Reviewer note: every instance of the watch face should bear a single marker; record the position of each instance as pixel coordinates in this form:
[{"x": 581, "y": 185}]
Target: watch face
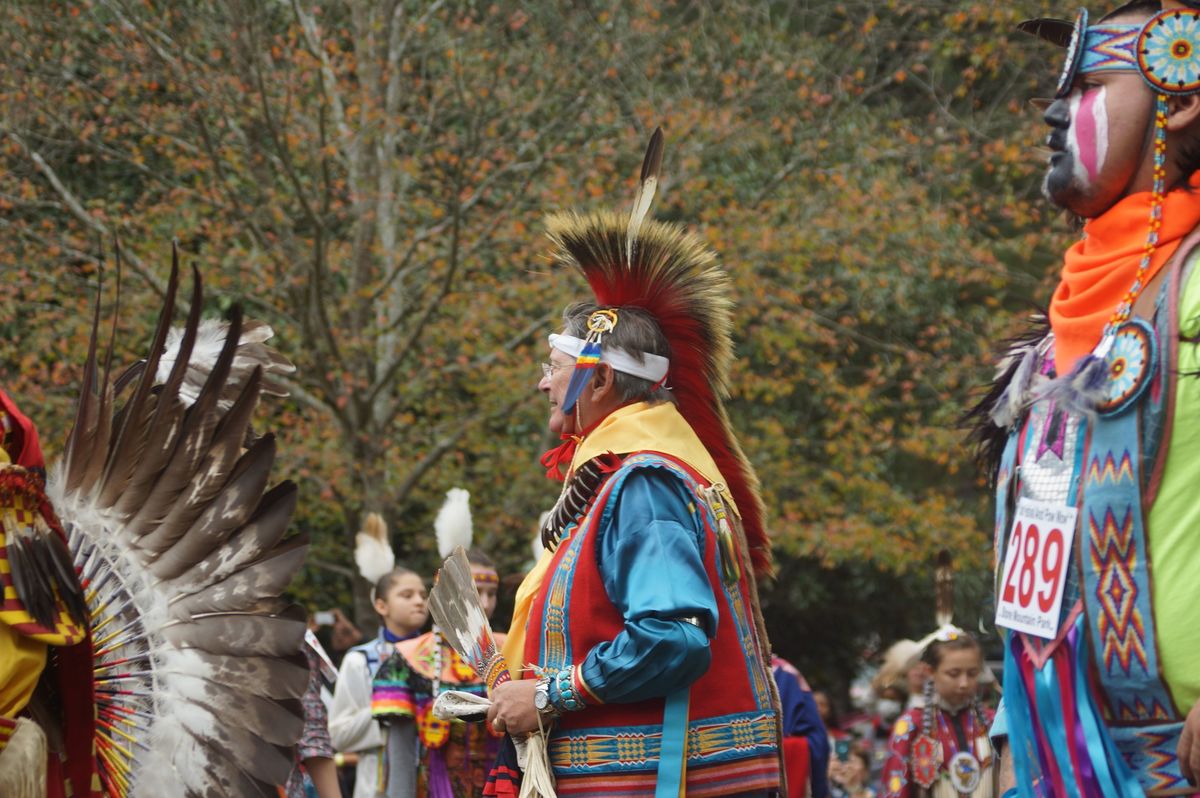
[{"x": 541, "y": 699}]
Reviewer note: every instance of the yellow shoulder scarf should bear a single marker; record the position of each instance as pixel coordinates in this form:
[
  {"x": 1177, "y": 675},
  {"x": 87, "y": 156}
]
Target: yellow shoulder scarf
[{"x": 633, "y": 428}]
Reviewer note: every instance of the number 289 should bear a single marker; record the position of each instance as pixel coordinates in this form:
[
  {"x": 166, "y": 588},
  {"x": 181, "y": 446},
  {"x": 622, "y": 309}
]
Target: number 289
[{"x": 1034, "y": 553}]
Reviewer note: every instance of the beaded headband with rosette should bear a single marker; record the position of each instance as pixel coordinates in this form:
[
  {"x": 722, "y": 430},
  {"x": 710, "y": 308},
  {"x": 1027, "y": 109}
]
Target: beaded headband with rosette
[{"x": 1165, "y": 50}]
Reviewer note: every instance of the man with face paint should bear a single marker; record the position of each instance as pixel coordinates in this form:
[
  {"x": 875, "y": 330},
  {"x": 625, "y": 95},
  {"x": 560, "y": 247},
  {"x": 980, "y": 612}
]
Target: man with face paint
[{"x": 1092, "y": 426}]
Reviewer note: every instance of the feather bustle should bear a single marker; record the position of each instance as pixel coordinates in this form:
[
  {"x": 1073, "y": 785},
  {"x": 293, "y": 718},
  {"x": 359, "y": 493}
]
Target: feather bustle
[
  {"x": 130, "y": 439},
  {"x": 226, "y": 511},
  {"x": 199, "y": 627},
  {"x": 81, "y": 440},
  {"x": 268, "y": 576},
  {"x": 264, "y": 529},
  {"x": 168, "y": 416},
  {"x": 221, "y": 456},
  {"x": 200, "y": 423},
  {"x": 244, "y": 633}
]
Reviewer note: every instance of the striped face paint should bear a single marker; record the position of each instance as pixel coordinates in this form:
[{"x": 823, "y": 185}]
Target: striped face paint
[{"x": 1087, "y": 138}]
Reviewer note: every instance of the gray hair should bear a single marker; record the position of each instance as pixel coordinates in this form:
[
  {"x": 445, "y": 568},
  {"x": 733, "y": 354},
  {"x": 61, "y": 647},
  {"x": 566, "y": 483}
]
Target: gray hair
[{"x": 637, "y": 333}]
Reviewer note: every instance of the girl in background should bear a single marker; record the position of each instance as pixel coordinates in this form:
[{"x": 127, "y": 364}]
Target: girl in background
[
  {"x": 941, "y": 749},
  {"x": 455, "y": 756},
  {"x": 386, "y": 743}
]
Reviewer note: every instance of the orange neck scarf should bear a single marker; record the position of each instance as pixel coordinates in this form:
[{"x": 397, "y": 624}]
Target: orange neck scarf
[{"x": 1099, "y": 268}]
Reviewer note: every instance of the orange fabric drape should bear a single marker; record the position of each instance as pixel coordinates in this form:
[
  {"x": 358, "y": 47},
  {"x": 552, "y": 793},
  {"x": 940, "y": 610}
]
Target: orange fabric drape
[{"x": 1099, "y": 269}]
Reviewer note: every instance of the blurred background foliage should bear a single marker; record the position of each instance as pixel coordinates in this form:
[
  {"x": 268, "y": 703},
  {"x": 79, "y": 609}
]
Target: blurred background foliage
[{"x": 369, "y": 178}]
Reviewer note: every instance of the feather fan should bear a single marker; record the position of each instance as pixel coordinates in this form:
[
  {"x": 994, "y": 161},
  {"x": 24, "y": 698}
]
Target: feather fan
[
  {"x": 372, "y": 552},
  {"x": 453, "y": 522},
  {"x": 454, "y": 605},
  {"x": 183, "y": 554}
]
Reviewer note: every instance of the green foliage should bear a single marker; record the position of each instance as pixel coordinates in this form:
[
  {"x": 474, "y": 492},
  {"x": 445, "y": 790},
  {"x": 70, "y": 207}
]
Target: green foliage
[{"x": 369, "y": 178}]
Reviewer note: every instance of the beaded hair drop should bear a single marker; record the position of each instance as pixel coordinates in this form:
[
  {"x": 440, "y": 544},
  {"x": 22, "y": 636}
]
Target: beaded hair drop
[
  {"x": 923, "y": 755},
  {"x": 1083, "y": 389}
]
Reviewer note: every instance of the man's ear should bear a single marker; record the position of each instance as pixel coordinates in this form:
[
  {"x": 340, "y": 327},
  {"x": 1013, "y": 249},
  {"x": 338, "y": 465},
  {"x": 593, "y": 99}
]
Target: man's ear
[
  {"x": 1182, "y": 112},
  {"x": 603, "y": 384}
]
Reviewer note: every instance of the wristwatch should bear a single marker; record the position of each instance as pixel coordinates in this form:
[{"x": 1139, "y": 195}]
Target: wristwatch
[{"x": 541, "y": 697}]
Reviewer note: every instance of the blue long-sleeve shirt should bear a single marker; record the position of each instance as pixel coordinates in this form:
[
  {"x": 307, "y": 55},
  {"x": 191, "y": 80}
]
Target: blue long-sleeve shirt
[
  {"x": 802, "y": 719},
  {"x": 650, "y": 548}
]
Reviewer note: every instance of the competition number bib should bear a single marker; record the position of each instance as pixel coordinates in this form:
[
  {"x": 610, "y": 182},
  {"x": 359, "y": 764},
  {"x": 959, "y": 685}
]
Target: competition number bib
[{"x": 1035, "y": 568}]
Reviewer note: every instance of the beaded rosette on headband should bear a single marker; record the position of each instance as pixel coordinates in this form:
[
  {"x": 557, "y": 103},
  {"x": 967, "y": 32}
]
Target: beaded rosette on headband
[
  {"x": 599, "y": 324},
  {"x": 1165, "y": 52}
]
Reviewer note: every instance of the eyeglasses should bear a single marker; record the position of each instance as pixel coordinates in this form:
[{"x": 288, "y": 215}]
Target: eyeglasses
[{"x": 548, "y": 369}]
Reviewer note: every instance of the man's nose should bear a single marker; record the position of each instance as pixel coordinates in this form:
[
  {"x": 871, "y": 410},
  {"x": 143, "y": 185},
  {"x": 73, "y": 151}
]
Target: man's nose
[{"x": 1058, "y": 115}]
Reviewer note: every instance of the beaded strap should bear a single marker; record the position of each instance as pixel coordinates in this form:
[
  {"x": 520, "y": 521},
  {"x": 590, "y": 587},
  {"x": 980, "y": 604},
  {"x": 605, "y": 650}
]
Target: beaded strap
[{"x": 1125, "y": 309}]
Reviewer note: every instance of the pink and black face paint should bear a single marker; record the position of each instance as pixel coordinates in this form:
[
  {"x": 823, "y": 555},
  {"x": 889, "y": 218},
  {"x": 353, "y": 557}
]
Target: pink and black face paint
[{"x": 1087, "y": 137}]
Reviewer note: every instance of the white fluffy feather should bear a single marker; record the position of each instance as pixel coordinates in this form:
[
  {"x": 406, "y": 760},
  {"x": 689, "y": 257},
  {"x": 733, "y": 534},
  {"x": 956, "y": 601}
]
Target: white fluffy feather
[
  {"x": 210, "y": 338},
  {"x": 453, "y": 522},
  {"x": 372, "y": 552}
]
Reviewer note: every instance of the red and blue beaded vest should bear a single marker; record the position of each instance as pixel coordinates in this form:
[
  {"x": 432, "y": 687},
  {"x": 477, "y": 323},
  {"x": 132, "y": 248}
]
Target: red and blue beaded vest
[{"x": 732, "y": 732}]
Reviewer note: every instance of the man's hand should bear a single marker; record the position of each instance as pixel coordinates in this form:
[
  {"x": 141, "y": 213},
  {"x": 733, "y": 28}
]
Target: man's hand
[
  {"x": 512, "y": 709},
  {"x": 1188, "y": 750}
]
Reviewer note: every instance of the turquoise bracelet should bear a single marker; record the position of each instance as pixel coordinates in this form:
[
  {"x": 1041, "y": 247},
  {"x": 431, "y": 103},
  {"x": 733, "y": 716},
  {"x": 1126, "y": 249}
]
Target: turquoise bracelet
[{"x": 563, "y": 694}]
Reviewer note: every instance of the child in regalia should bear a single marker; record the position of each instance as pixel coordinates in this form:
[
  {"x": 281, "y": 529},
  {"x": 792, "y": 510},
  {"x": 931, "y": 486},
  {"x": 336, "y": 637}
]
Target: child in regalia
[
  {"x": 378, "y": 723},
  {"x": 454, "y": 756},
  {"x": 941, "y": 749}
]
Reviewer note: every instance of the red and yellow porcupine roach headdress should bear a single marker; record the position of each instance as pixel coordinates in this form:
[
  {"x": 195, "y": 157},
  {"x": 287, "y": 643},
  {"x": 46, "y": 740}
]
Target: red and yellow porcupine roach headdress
[{"x": 673, "y": 275}]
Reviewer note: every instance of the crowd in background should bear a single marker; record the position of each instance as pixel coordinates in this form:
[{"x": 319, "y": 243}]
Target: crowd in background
[{"x": 835, "y": 746}]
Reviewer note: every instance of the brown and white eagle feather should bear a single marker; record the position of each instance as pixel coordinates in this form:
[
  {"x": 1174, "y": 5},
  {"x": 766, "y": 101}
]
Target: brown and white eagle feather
[{"x": 183, "y": 552}]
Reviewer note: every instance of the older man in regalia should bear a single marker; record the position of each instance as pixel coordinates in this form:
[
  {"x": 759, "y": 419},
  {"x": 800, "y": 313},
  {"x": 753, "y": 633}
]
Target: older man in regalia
[{"x": 651, "y": 662}]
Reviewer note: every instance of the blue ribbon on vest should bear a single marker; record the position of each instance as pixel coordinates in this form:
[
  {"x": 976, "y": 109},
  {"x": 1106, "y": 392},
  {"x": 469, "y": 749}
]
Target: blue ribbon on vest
[{"x": 672, "y": 757}]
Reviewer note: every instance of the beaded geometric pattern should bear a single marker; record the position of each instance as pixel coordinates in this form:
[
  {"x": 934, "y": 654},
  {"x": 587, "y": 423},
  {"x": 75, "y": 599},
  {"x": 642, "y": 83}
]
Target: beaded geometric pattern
[
  {"x": 1114, "y": 556},
  {"x": 1117, "y": 574},
  {"x": 556, "y": 646},
  {"x": 925, "y": 761},
  {"x": 1150, "y": 753},
  {"x": 1168, "y": 51},
  {"x": 1110, "y": 48},
  {"x": 631, "y": 748}
]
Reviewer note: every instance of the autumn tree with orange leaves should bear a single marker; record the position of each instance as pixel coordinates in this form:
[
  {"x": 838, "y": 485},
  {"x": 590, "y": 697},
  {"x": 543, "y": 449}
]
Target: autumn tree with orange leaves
[{"x": 369, "y": 178}]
